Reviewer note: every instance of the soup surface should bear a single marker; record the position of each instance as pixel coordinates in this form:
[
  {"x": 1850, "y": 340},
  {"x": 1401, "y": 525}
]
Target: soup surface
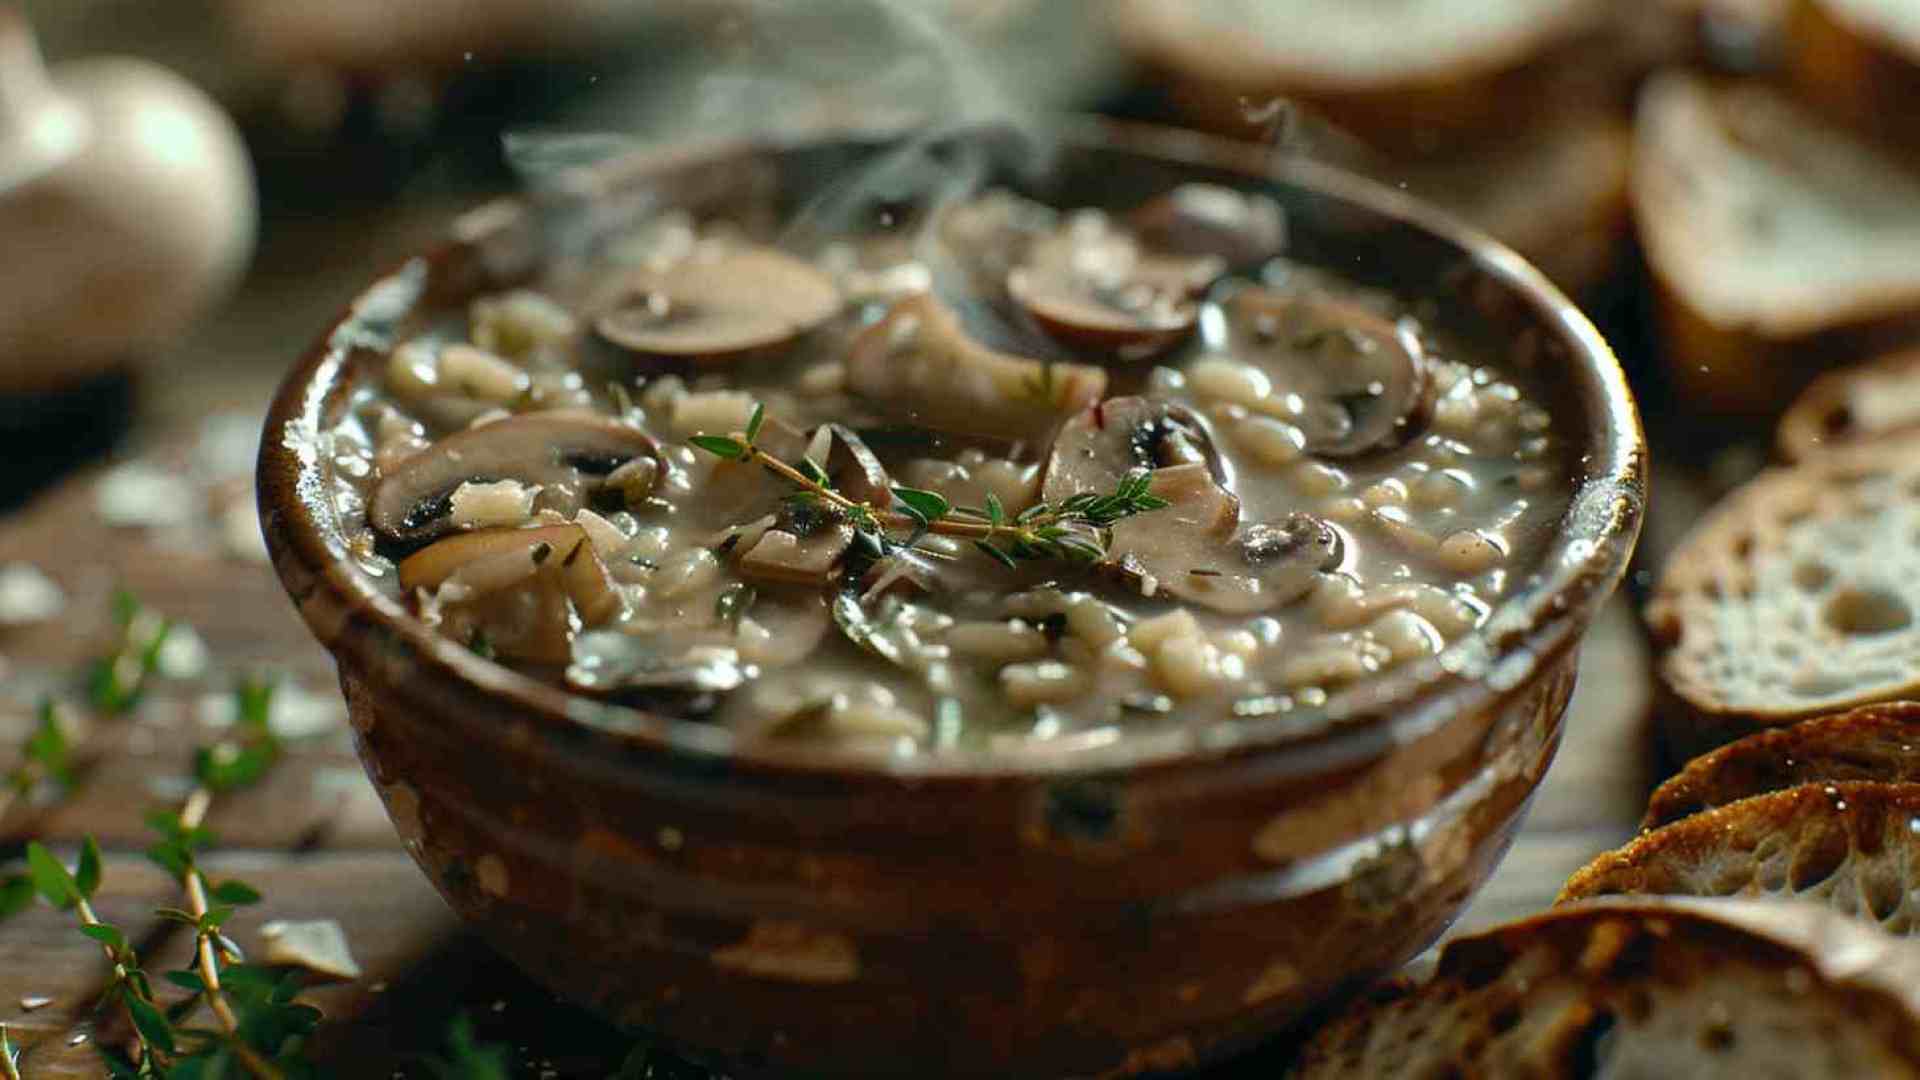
[{"x": 1004, "y": 477}]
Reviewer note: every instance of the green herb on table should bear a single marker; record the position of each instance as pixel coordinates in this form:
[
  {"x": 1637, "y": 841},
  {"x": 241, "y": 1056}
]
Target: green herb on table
[
  {"x": 116, "y": 681},
  {"x": 466, "y": 1057},
  {"x": 1075, "y": 529},
  {"x": 154, "y": 1044},
  {"x": 46, "y": 757},
  {"x": 9, "y": 1057},
  {"x": 226, "y": 766}
]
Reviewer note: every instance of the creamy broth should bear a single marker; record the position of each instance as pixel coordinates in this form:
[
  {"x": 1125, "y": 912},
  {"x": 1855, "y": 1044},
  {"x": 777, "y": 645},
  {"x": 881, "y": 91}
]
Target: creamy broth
[{"x": 1215, "y": 483}]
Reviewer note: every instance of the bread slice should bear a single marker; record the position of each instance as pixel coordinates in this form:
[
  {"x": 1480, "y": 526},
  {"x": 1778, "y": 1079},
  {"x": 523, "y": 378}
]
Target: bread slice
[
  {"x": 1876, "y": 400},
  {"x": 1873, "y": 742},
  {"x": 1643, "y": 990},
  {"x": 1859, "y": 62},
  {"x": 1776, "y": 242},
  {"x": 1851, "y": 845},
  {"x": 1409, "y": 76},
  {"x": 1796, "y": 596}
]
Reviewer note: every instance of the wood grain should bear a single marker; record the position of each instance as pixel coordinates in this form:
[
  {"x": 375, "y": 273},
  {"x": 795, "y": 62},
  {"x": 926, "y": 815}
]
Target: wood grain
[{"x": 314, "y": 839}]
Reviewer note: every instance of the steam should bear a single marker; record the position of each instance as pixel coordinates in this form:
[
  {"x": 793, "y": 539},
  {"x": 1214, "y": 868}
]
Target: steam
[
  {"x": 769, "y": 67},
  {"x": 776, "y": 67}
]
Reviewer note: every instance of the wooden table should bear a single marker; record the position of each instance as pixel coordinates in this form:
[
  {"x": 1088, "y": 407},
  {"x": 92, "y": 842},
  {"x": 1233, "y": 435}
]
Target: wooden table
[{"x": 314, "y": 838}]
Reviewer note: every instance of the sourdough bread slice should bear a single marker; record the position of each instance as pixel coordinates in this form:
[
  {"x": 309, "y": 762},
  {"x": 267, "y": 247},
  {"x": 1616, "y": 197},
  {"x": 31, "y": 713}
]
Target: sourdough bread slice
[
  {"x": 1876, "y": 400},
  {"x": 1775, "y": 241},
  {"x": 1796, "y": 596},
  {"x": 1858, "y": 61},
  {"x": 1407, "y": 76},
  {"x": 1850, "y": 845},
  {"x": 1633, "y": 989},
  {"x": 1873, "y": 742}
]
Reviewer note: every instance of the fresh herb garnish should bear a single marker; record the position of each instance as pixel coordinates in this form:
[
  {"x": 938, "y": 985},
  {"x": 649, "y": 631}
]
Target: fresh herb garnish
[
  {"x": 733, "y": 603},
  {"x": 1074, "y": 529}
]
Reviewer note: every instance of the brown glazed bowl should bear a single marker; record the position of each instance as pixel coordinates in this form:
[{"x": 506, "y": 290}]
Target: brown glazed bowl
[{"x": 1151, "y": 904}]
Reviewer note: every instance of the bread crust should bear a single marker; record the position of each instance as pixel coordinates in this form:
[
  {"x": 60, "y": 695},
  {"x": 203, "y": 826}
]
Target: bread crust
[
  {"x": 1757, "y": 619},
  {"x": 1873, "y": 742},
  {"x": 1535, "y": 994},
  {"x": 1879, "y": 399},
  {"x": 1848, "y": 844}
]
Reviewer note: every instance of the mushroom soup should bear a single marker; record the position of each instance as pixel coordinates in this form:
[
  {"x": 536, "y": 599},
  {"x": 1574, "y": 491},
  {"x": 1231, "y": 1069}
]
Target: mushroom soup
[{"x": 1148, "y": 473}]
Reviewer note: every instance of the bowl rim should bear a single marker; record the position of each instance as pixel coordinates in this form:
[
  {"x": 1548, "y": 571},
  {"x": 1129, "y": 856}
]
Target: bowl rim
[{"x": 1524, "y": 635}]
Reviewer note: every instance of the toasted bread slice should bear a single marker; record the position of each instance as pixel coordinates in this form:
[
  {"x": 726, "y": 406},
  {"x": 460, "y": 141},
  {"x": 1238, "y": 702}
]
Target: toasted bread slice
[
  {"x": 1643, "y": 989},
  {"x": 1876, "y": 400},
  {"x": 1796, "y": 596},
  {"x": 1775, "y": 241},
  {"x": 1873, "y": 742},
  {"x": 1850, "y": 845},
  {"x": 1409, "y": 76},
  {"x": 1858, "y": 61}
]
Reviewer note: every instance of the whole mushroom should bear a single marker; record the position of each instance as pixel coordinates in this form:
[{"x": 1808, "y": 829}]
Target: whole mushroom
[{"x": 126, "y": 209}]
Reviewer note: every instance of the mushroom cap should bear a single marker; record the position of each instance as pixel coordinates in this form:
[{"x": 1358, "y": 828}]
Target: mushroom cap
[
  {"x": 1092, "y": 288},
  {"x": 1102, "y": 444},
  {"x": 563, "y": 451},
  {"x": 718, "y": 307},
  {"x": 1208, "y": 219},
  {"x": 1355, "y": 380},
  {"x": 1196, "y": 549},
  {"x": 854, "y": 470},
  {"x": 918, "y": 364},
  {"x": 522, "y": 587}
]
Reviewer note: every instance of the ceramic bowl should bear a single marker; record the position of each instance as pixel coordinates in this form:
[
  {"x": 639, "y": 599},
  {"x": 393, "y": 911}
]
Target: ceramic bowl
[{"x": 1151, "y": 904}]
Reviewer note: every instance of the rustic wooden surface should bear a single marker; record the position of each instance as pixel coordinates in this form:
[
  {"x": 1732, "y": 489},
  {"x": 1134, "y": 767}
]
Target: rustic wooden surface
[{"x": 314, "y": 839}]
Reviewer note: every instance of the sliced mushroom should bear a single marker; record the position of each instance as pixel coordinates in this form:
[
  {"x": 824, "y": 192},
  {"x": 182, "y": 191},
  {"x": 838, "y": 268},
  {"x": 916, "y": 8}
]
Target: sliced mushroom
[
  {"x": 568, "y": 454},
  {"x": 1109, "y": 440},
  {"x": 780, "y": 557},
  {"x": 1196, "y": 550},
  {"x": 1352, "y": 379},
  {"x": 1207, "y": 219},
  {"x": 521, "y": 591},
  {"x": 1091, "y": 287},
  {"x": 722, "y": 307},
  {"x": 854, "y": 471},
  {"x": 808, "y": 542},
  {"x": 918, "y": 364}
]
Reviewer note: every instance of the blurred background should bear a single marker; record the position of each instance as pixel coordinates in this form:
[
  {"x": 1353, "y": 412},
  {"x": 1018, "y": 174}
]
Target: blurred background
[
  {"x": 190, "y": 189},
  {"x": 365, "y": 126}
]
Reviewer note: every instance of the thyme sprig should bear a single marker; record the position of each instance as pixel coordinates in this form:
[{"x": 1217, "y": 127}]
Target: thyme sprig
[
  {"x": 45, "y": 757},
  {"x": 9, "y": 1057},
  {"x": 261, "y": 1028},
  {"x": 1075, "y": 529},
  {"x": 155, "y": 1045},
  {"x": 116, "y": 681}
]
